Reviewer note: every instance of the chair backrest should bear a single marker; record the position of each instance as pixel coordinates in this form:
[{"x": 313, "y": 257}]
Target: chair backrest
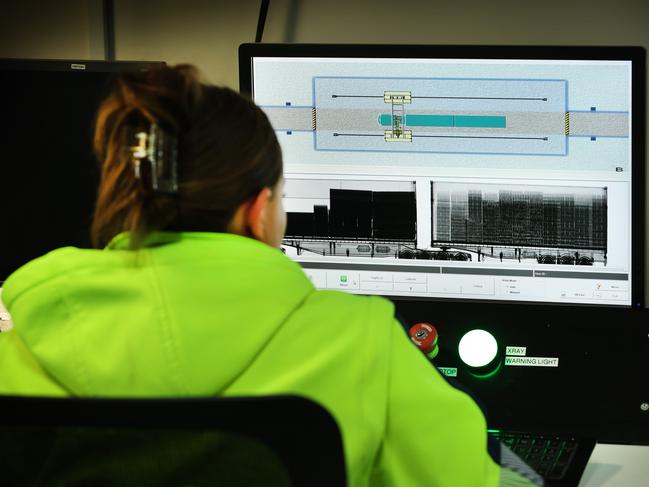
[{"x": 272, "y": 440}]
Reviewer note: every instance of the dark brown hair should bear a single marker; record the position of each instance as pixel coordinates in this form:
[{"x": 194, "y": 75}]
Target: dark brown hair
[{"x": 227, "y": 153}]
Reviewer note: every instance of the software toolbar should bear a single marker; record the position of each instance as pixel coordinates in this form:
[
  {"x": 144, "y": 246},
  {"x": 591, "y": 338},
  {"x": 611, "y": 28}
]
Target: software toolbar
[{"x": 509, "y": 284}]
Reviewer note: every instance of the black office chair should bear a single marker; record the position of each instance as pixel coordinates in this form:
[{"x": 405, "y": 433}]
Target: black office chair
[{"x": 260, "y": 441}]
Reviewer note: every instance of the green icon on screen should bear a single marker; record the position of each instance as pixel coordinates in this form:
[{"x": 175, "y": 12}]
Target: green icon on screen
[{"x": 343, "y": 278}]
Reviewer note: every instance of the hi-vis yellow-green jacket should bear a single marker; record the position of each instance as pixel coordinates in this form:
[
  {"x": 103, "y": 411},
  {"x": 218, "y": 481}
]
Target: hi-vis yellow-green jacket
[{"x": 202, "y": 314}]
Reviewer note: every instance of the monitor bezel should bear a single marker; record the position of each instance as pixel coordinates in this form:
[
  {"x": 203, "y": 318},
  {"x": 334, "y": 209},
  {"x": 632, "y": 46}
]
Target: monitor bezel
[
  {"x": 635, "y": 54},
  {"x": 79, "y": 66}
]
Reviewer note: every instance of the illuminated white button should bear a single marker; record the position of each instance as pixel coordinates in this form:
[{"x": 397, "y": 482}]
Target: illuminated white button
[{"x": 477, "y": 348}]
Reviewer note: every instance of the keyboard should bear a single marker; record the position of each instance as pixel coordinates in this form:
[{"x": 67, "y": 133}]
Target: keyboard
[{"x": 553, "y": 457}]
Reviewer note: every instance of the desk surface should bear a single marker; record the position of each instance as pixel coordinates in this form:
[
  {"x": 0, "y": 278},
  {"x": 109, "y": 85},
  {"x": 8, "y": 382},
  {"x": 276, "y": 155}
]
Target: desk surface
[{"x": 617, "y": 466}]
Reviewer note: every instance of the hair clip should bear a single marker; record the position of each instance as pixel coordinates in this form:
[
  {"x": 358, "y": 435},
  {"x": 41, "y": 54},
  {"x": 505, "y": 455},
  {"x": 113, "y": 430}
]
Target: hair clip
[
  {"x": 160, "y": 149},
  {"x": 139, "y": 152}
]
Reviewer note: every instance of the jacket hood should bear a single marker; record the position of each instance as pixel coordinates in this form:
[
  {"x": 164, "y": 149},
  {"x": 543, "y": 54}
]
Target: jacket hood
[{"x": 140, "y": 322}]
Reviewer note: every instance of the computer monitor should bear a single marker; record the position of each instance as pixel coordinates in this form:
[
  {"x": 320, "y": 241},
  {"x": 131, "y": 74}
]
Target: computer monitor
[
  {"x": 484, "y": 188},
  {"x": 48, "y": 174},
  {"x": 508, "y": 174}
]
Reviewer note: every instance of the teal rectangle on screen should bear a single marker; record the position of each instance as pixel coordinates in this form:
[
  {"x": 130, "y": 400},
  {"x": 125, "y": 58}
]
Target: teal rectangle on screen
[
  {"x": 429, "y": 120},
  {"x": 385, "y": 119},
  {"x": 480, "y": 121},
  {"x": 420, "y": 120}
]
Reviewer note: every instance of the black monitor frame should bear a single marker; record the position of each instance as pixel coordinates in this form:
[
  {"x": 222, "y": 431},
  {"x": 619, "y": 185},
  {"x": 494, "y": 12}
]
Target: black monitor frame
[
  {"x": 76, "y": 65},
  {"x": 636, "y": 55},
  {"x": 75, "y": 68}
]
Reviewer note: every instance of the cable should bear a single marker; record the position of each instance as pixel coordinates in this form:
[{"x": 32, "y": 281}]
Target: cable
[
  {"x": 263, "y": 10},
  {"x": 108, "y": 14}
]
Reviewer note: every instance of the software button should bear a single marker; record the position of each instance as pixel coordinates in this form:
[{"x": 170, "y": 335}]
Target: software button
[
  {"x": 376, "y": 286},
  {"x": 481, "y": 286},
  {"x": 318, "y": 278},
  {"x": 612, "y": 295},
  {"x": 342, "y": 280},
  {"x": 410, "y": 278},
  {"x": 407, "y": 287},
  {"x": 613, "y": 286},
  {"x": 443, "y": 285},
  {"x": 376, "y": 276}
]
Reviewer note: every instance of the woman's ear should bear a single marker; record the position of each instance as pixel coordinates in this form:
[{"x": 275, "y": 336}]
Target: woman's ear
[
  {"x": 256, "y": 214},
  {"x": 249, "y": 219}
]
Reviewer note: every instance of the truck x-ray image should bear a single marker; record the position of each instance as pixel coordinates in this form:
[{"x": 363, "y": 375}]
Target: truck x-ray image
[
  {"x": 552, "y": 224},
  {"x": 360, "y": 218}
]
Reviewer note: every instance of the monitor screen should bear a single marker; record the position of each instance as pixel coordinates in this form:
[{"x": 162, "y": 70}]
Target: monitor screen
[
  {"x": 460, "y": 172},
  {"x": 48, "y": 173}
]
